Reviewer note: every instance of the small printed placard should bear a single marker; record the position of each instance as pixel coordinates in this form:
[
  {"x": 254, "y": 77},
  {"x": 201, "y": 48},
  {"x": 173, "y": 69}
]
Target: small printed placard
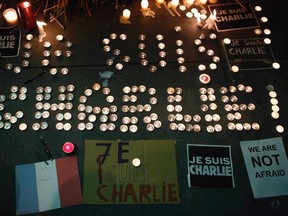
[
  {"x": 267, "y": 166},
  {"x": 10, "y": 39},
  {"x": 234, "y": 16},
  {"x": 209, "y": 166},
  {"x": 249, "y": 53}
]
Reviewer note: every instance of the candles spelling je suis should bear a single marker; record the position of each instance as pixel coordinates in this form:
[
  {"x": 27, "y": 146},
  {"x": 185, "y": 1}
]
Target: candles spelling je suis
[{"x": 27, "y": 15}]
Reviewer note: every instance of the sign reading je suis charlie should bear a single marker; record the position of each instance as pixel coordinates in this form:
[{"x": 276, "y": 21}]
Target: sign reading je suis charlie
[
  {"x": 234, "y": 16},
  {"x": 110, "y": 177},
  {"x": 10, "y": 38}
]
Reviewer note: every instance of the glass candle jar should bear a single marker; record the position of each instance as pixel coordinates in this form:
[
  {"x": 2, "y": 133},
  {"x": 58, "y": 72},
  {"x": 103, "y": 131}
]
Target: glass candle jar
[{"x": 27, "y": 15}]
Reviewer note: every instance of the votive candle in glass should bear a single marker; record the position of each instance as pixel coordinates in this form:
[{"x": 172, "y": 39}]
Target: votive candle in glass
[{"x": 27, "y": 15}]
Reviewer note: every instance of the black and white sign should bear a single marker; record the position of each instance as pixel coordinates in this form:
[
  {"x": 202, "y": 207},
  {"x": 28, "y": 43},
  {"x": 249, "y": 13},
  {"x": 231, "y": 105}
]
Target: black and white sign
[
  {"x": 249, "y": 53},
  {"x": 209, "y": 166},
  {"x": 267, "y": 166},
  {"x": 10, "y": 39},
  {"x": 234, "y": 16}
]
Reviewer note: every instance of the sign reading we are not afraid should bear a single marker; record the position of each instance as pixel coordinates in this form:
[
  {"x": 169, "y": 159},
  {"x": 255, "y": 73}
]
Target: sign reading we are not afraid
[{"x": 267, "y": 166}]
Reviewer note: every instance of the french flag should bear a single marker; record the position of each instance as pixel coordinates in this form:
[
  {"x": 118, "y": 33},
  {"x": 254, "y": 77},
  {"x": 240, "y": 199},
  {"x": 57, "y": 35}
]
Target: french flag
[{"x": 41, "y": 187}]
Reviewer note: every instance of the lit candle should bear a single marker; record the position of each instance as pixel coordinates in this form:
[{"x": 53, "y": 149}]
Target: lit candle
[
  {"x": 144, "y": 4},
  {"x": 146, "y": 11},
  {"x": 174, "y": 3},
  {"x": 199, "y": 24},
  {"x": 68, "y": 147},
  {"x": 10, "y": 16},
  {"x": 126, "y": 14},
  {"x": 159, "y": 2},
  {"x": 42, "y": 33},
  {"x": 124, "y": 19},
  {"x": 40, "y": 27},
  {"x": 27, "y": 16},
  {"x": 210, "y": 22},
  {"x": 188, "y": 3}
]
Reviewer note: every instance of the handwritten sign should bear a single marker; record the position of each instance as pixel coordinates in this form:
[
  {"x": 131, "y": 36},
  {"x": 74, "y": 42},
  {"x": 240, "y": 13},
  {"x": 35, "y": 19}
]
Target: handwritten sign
[
  {"x": 234, "y": 17},
  {"x": 10, "y": 41},
  {"x": 110, "y": 177},
  {"x": 249, "y": 53},
  {"x": 209, "y": 166},
  {"x": 42, "y": 187},
  {"x": 267, "y": 166}
]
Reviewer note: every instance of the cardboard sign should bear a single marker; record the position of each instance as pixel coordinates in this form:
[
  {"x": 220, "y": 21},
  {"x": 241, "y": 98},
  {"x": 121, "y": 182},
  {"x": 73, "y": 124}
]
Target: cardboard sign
[
  {"x": 209, "y": 166},
  {"x": 42, "y": 187},
  {"x": 267, "y": 166},
  {"x": 10, "y": 39},
  {"x": 130, "y": 172},
  {"x": 249, "y": 54},
  {"x": 234, "y": 16}
]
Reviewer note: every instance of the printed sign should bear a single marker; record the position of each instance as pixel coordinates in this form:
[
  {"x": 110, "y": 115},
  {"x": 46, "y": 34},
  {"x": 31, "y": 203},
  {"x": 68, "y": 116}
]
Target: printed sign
[
  {"x": 249, "y": 54},
  {"x": 42, "y": 187},
  {"x": 234, "y": 16},
  {"x": 267, "y": 166},
  {"x": 10, "y": 38},
  {"x": 130, "y": 172},
  {"x": 209, "y": 166}
]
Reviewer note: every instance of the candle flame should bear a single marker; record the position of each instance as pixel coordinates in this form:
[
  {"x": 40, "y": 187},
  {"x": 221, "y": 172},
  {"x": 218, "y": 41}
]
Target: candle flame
[
  {"x": 174, "y": 3},
  {"x": 144, "y": 4},
  {"x": 26, "y": 4},
  {"x": 40, "y": 23}
]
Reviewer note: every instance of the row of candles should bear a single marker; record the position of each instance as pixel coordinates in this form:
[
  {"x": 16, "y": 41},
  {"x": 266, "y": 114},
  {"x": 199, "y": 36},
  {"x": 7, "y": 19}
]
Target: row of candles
[
  {"x": 171, "y": 7},
  {"x": 27, "y": 17}
]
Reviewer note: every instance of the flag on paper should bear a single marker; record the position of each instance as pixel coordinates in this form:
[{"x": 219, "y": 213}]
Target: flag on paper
[
  {"x": 267, "y": 166},
  {"x": 130, "y": 172},
  {"x": 41, "y": 187}
]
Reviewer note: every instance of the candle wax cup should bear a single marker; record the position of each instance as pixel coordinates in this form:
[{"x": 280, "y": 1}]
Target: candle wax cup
[
  {"x": 11, "y": 16},
  {"x": 27, "y": 15},
  {"x": 68, "y": 147}
]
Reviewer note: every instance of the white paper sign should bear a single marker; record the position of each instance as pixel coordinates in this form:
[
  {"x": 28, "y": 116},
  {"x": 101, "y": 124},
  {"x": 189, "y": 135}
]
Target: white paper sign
[{"x": 267, "y": 166}]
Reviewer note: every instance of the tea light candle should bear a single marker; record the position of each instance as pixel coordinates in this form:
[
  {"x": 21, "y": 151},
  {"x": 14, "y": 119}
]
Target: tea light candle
[
  {"x": 68, "y": 147},
  {"x": 146, "y": 11},
  {"x": 159, "y": 2},
  {"x": 27, "y": 16},
  {"x": 10, "y": 16},
  {"x": 125, "y": 16},
  {"x": 174, "y": 3},
  {"x": 188, "y": 3},
  {"x": 126, "y": 13},
  {"x": 144, "y": 4}
]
